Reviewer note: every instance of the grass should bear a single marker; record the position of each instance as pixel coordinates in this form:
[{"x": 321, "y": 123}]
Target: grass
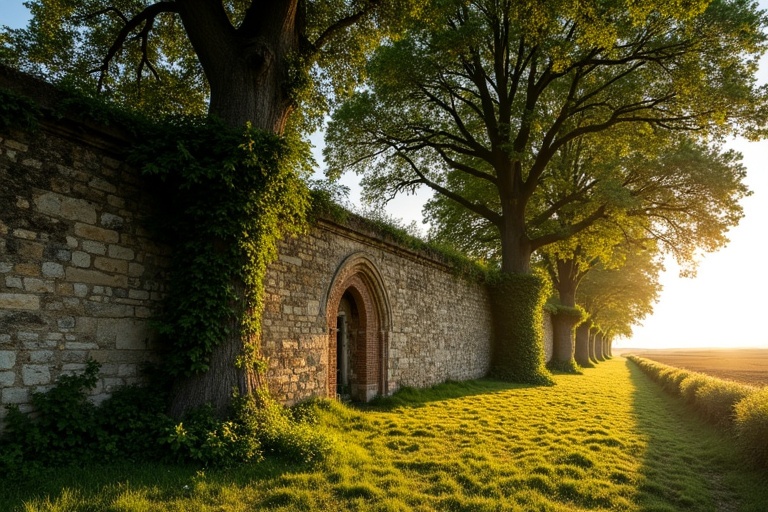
[{"x": 609, "y": 439}]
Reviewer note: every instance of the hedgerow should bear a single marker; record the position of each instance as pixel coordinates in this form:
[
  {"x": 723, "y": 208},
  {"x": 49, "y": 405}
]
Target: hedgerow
[{"x": 739, "y": 409}]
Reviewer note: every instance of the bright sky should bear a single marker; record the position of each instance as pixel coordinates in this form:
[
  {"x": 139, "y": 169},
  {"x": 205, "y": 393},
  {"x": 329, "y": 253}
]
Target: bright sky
[{"x": 723, "y": 306}]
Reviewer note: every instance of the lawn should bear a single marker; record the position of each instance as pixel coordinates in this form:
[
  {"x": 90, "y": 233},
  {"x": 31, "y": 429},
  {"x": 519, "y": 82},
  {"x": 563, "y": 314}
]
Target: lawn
[{"x": 609, "y": 439}]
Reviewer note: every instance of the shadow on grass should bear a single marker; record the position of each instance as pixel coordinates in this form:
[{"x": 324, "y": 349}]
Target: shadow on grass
[
  {"x": 130, "y": 486},
  {"x": 408, "y": 397},
  {"x": 688, "y": 464}
]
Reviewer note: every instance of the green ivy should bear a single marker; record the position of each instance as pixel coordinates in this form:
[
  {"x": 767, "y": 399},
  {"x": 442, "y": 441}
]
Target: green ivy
[
  {"x": 517, "y": 306},
  {"x": 226, "y": 199},
  {"x": 18, "y": 111}
]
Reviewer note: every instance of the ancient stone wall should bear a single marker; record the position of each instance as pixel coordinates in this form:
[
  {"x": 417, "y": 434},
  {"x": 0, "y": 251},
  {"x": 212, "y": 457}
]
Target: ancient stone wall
[
  {"x": 436, "y": 324},
  {"x": 79, "y": 274},
  {"x": 347, "y": 311}
]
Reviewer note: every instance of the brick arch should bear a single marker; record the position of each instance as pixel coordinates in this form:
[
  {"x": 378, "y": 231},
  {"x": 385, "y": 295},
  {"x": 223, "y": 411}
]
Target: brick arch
[{"x": 360, "y": 278}]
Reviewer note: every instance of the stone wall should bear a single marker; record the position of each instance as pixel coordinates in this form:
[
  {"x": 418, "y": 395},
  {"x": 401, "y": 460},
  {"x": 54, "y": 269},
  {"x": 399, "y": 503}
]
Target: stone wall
[
  {"x": 79, "y": 275},
  {"x": 439, "y": 324}
]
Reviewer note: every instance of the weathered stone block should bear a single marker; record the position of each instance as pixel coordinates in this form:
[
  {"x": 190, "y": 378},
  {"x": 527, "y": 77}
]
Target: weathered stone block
[
  {"x": 111, "y": 221},
  {"x": 111, "y": 265},
  {"x": 59, "y": 205},
  {"x": 126, "y": 334},
  {"x": 81, "y": 259},
  {"x": 35, "y": 375},
  {"x": 7, "y": 359},
  {"x": 15, "y": 395},
  {"x": 95, "y": 277},
  {"x": 14, "y": 282},
  {"x": 94, "y": 247},
  {"x": 25, "y": 234},
  {"x": 41, "y": 356},
  {"x": 27, "y": 269},
  {"x": 96, "y": 234},
  {"x": 51, "y": 269},
  {"x": 19, "y": 301},
  {"x": 7, "y": 379},
  {"x": 119, "y": 252},
  {"x": 30, "y": 250},
  {"x": 34, "y": 285},
  {"x": 103, "y": 185}
]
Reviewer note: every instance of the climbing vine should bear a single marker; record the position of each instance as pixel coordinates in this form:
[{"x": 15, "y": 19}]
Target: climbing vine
[{"x": 226, "y": 198}]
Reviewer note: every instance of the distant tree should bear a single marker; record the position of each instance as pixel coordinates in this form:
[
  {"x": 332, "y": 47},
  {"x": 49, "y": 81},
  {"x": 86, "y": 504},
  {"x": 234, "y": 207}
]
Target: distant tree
[
  {"x": 479, "y": 96},
  {"x": 616, "y": 299}
]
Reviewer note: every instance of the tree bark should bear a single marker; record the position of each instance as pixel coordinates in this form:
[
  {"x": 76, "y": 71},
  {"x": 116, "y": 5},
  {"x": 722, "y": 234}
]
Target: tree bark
[
  {"x": 564, "y": 322},
  {"x": 592, "y": 343},
  {"x": 581, "y": 351},
  {"x": 599, "y": 347},
  {"x": 563, "y": 326},
  {"x": 248, "y": 72}
]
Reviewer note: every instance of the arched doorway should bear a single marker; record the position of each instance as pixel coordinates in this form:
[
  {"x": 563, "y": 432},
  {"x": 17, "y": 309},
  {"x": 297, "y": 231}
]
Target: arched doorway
[{"x": 357, "y": 312}]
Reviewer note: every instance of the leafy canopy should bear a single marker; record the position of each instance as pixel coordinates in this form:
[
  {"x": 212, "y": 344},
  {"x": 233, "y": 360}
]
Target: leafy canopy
[{"x": 480, "y": 98}]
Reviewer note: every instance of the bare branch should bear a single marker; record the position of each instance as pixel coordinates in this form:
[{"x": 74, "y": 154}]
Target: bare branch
[{"x": 146, "y": 17}]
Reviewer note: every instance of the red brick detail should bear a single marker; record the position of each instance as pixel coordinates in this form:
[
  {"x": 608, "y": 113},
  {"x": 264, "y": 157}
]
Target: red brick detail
[{"x": 358, "y": 278}]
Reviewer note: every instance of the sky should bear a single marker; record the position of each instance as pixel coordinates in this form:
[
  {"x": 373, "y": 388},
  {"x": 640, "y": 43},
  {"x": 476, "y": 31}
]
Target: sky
[{"x": 723, "y": 306}]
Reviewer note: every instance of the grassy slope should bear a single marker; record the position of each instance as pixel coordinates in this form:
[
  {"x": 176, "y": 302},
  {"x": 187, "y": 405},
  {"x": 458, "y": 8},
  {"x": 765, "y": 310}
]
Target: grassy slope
[{"x": 608, "y": 439}]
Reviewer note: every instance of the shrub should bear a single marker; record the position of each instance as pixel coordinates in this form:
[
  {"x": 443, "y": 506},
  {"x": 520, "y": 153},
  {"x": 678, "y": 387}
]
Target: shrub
[
  {"x": 64, "y": 428},
  {"x": 67, "y": 428},
  {"x": 279, "y": 433},
  {"x": 716, "y": 399},
  {"x": 691, "y": 384},
  {"x": 751, "y": 425}
]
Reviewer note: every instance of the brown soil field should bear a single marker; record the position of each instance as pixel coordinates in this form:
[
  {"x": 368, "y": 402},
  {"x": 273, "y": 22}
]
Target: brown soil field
[{"x": 749, "y": 365}]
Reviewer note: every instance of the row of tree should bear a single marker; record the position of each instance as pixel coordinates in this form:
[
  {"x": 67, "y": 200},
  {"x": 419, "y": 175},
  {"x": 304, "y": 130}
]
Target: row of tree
[{"x": 582, "y": 137}]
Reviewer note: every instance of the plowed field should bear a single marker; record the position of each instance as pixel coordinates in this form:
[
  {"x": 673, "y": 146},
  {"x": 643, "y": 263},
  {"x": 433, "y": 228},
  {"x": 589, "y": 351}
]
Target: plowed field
[{"x": 749, "y": 366}]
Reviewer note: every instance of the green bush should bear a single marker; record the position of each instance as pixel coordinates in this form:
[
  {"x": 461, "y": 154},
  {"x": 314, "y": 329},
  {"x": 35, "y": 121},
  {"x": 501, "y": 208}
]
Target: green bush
[
  {"x": 690, "y": 385},
  {"x": 751, "y": 425},
  {"x": 716, "y": 399},
  {"x": 740, "y": 408},
  {"x": 279, "y": 432},
  {"x": 67, "y": 428},
  {"x": 64, "y": 428}
]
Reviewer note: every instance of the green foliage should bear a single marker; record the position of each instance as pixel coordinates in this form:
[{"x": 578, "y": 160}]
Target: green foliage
[
  {"x": 716, "y": 400},
  {"x": 751, "y": 425},
  {"x": 17, "y": 111},
  {"x": 65, "y": 425},
  {"x": 736, "y": 408},
  {"x": 227, "y": 199},
  {"x": 517, "y": 305},
  {"x": 279, "y": 432},
  {"x": 66, "y": 428}
]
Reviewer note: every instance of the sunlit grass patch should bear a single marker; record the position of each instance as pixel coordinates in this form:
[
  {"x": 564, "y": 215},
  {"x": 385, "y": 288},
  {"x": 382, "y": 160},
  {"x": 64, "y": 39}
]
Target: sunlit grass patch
[{"x": 604, "y": 440}]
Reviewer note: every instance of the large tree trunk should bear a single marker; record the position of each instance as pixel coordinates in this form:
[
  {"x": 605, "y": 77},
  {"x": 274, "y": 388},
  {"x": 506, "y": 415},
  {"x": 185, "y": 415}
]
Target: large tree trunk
[
  {"x": 599, "y": 346},
  {"x": 581, "y": 352},
  {"x": 248, "y": 72},
  {"x": 592, "y": 342},
  {"x": 564, "y": 322}
]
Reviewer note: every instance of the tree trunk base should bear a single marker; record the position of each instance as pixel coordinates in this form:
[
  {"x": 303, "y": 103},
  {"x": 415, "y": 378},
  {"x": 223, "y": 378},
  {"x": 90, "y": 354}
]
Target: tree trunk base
[{"x": 517, "y": 301}]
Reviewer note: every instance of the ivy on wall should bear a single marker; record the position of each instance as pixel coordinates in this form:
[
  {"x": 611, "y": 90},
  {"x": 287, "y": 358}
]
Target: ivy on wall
[{"x": 226, "y": 199}]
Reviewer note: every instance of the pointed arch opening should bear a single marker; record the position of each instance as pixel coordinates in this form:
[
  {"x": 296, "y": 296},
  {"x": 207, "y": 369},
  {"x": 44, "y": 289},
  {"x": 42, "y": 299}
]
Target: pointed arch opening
[{"x": 358, "y": 318}]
